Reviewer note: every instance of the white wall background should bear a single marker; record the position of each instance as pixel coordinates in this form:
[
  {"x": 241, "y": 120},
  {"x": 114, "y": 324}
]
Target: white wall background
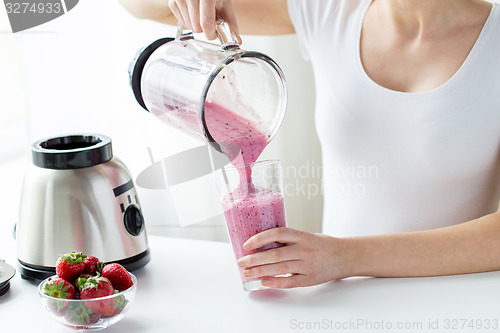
[{"x": 70, "y": 76}]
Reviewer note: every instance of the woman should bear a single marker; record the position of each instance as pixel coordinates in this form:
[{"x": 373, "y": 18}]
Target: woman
[{"x": 407, "y": 87}]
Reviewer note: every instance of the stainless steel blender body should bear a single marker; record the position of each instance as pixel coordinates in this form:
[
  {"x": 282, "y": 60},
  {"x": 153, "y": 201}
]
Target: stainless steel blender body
[{"x": 77, "y": 197}]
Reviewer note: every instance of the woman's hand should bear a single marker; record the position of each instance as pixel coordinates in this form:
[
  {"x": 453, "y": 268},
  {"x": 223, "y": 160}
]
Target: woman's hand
[
  {"x": 201, "y": 15},
  {"x": 310, "y": 258}
]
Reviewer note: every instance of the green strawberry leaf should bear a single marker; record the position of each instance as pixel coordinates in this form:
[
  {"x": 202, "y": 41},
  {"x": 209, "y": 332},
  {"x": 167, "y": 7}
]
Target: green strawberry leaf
[
  {"x": 57, "y": 290},
  {"x": 100, "y": 266},
  {"x": 73, "y": 257},
  {"x": 80, "y": 282},
  {"x": 120, "y": 302},
  {"x": 90, "y": 283},
  {"x": 78, "y": 313}
]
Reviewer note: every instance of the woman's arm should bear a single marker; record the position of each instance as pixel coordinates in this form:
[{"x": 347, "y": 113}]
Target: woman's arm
[
  {"x": 256, "y": 17},
  {"x": 469, "y": 247}
]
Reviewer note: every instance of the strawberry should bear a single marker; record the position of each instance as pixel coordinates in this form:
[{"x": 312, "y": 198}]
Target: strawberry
[
  {"x": 59, "y": 288},
  {"x": 92, "y": 265},
  {"x": 96, "y": 287},
  {"x": 120, "y": 278},
  {"x": 70, "y": 265}
]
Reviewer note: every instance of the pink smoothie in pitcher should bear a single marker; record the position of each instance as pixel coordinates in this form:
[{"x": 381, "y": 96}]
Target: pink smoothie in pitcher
[{"x": 248, "y": 210}]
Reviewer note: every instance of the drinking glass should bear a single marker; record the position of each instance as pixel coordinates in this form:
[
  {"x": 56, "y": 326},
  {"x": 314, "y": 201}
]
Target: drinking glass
[{"x": 252, "y": 200}]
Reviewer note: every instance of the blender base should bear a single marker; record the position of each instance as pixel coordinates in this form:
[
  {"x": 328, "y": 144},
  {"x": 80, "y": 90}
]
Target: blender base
[{"x": 36, "y": 272}]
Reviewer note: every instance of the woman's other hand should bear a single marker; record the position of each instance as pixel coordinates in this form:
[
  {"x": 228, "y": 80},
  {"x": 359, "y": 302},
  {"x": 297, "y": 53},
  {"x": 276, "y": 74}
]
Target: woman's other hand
[{"x": 307, "y": 259}]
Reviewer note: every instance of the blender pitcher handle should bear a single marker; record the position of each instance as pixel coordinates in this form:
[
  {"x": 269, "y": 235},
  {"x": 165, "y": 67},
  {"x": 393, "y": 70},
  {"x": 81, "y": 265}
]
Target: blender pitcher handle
[
  {"x": 183, "y": 34},
  {"x": 226, "y": 36}
]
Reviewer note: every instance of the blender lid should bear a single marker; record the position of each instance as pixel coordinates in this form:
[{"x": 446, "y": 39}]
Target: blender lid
[{"x": 7, "y": 272}]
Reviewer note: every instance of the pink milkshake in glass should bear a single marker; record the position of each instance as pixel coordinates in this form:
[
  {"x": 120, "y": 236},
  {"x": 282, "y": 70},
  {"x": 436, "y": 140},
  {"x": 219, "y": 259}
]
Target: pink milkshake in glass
[{"x": 249, "y": 214}]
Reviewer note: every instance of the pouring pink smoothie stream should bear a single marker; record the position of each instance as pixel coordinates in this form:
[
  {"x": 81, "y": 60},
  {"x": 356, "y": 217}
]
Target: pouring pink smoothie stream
[{"x": 248, "y": 209}]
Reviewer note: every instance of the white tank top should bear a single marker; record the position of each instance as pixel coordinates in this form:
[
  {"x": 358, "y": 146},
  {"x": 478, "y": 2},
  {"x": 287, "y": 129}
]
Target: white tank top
[{"x": 395, "y": 161}]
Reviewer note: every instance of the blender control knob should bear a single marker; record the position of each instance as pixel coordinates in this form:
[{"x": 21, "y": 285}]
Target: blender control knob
[{"x": 133, "y": 220}]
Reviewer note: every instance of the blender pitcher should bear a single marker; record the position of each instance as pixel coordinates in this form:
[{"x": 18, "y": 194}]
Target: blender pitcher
[{"x": 179, "y": 79}]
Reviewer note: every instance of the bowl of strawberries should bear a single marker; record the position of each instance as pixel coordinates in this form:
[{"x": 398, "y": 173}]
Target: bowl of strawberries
[{"x": 86, "y": 293}]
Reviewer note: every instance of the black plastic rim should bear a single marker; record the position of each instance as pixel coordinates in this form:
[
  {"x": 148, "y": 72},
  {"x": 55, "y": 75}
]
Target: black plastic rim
[
  {"x": 4, "y": 287},
  {"x": 138, "y": 67},
  {"x": 72, "y": 151}
]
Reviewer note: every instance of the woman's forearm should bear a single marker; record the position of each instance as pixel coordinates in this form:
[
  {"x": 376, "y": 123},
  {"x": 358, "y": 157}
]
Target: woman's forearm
[
  {"x": 311, "y": 259},
  {"x": 469, "y": 247}
]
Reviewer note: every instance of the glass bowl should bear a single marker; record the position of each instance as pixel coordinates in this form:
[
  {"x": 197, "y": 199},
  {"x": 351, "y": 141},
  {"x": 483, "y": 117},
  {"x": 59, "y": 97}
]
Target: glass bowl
[{"x": 76, "y": 313}]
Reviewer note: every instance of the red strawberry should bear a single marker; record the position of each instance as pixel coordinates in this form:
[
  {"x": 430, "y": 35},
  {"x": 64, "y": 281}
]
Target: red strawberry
[
  {"x": 70, "y": 265},
  {"x": 120, "y": 278},
  {"x": 59, "y": 288},
  {"x": 92, "y": 265},
  {"x": 96, "y": 287}
]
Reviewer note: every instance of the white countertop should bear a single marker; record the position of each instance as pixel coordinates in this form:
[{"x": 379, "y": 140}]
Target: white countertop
[{"x": 194, "y": 286}]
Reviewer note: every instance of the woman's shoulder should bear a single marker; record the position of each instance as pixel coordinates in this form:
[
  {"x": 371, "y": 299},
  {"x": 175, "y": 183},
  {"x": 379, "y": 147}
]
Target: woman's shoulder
[
  {"x": 326, "y": 7},
  {"x": 491, "y": 30},
  {"x": 495, "y": 14},
  {"x": 318, "y": 14}
]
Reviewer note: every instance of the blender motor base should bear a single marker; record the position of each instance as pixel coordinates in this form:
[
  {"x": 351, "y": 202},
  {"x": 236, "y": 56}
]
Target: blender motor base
[{"x": 35, "y": 272}]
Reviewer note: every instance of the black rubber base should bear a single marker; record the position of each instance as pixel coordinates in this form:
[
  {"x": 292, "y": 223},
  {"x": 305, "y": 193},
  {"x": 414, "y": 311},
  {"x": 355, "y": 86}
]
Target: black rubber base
[
  {"x": 4, "y": 287},
  {"x": 35, "y": 272}
]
